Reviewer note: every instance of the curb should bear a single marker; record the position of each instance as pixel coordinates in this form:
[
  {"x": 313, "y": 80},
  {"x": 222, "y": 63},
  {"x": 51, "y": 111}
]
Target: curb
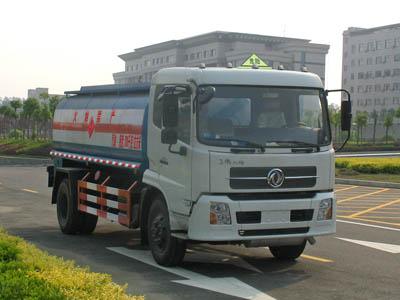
[
  {"x": 23, "y": 161},
  {"x": 392, "y": 185}
]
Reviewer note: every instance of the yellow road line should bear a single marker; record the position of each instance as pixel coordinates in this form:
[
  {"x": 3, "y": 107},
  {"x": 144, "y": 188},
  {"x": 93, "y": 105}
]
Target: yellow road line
[
  {"x": 375, "y": 208},
  {"x": 347, "y": 188},
  {"x": 363, "y": 195},
  {"x": 316, "y": 258},
  {"x": 380, "y": 217},
  {"x": 373, "y": 221},
  {"x": 30, "y": 191}
]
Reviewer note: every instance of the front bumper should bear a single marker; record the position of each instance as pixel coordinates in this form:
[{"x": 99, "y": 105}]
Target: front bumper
[{"x": 275, "y": 225}]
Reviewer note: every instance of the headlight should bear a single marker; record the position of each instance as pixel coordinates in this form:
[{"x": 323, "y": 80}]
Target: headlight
[
  {"x": 325, "y": 210},
  {"x": 219, "y": 213}
]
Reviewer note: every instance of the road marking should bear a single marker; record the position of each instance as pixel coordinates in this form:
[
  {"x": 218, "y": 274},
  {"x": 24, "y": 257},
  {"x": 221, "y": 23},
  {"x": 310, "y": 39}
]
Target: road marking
[
  {"x": 347, "y": 188},
  {"x": 30, "y": 191},
  {"x": 367, "y": 220},
  {"x": 391, "y": 248},
  {"x": 226, "y": 285},
  {"x": 380, "y": 217},
  {"x": 374, "y": 208},
  {"x": 367, "y": 225},
  {"x": 316, "y": 258},
  {"x": 363, "y": 195}
]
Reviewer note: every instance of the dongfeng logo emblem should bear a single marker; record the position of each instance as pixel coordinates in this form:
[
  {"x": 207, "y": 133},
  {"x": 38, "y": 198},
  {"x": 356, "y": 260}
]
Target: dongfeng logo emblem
[{"x": 275, "y": 178}]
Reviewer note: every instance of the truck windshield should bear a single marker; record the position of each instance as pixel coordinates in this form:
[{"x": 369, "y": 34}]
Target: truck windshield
[{"x": 246, "y": 116}]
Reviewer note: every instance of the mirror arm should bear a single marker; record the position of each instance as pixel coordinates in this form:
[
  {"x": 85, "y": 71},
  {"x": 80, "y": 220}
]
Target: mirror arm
[{"x": 192, "y": 81}]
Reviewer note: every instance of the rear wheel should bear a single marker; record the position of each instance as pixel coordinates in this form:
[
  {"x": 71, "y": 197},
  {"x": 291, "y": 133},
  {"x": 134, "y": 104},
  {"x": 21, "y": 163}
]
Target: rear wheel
[
  {"x": 166, "y": 249},
  {"x": 287, "y": 252},
  {"x": 70, "y": 220}
]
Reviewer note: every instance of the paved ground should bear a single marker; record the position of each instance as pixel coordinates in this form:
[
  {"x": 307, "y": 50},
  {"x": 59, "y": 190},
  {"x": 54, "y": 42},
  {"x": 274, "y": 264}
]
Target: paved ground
[{"x": 360, "y": 262}]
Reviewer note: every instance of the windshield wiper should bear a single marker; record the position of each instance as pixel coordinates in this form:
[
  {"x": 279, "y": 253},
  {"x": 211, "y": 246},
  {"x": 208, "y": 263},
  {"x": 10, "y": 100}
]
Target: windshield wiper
[
  {"x": 306, "y": 144},
  {"x": 247, "y": 143}
]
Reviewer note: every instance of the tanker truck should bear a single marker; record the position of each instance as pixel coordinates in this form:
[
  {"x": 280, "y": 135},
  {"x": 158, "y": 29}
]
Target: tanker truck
[{"x": 200, "y": 155}]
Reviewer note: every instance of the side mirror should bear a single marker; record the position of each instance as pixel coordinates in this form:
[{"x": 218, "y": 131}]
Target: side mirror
[
  {"x": 346, "y": 115},
  {"x": 169, "y": 136},
  {"x": 170, "y": 111}
]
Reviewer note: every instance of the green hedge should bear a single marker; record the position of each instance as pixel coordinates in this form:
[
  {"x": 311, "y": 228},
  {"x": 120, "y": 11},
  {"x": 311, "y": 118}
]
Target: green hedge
[
  {"x": 29, "y": 273},
  {"x": 370, "y": 165}
]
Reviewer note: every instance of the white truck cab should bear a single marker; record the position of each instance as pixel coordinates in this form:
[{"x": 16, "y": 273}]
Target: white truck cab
[{"x": 242, "y": 156}]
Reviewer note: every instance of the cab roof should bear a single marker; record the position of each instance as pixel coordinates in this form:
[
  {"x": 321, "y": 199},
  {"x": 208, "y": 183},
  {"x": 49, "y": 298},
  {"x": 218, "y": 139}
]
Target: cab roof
[{"x": 237, "y": 76}]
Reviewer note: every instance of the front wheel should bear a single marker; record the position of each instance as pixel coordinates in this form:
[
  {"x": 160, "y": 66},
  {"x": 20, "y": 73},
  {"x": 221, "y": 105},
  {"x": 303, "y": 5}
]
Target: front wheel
[
  {"x": 166, "y": 249},
  {"x": 287, "y": 252}
]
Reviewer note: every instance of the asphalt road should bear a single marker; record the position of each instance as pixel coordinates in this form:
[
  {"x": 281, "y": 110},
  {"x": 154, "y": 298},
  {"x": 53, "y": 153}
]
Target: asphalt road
[{"x": 360, "y": 262}]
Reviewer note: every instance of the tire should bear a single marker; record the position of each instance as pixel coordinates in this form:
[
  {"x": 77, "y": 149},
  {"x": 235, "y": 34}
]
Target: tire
[
  {"x": 88, "y": 223},
  {"x": 166, "y": 249},
  {"x": 68, "y": 216},
  {"x": 70, "y": 220},
  {"x": 287, "y": 252}
]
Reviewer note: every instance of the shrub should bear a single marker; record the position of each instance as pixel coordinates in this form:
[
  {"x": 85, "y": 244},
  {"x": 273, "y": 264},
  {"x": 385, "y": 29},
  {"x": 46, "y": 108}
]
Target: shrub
[
  {"x": 15, "y": 134},
  {"x": 370, "y": 165},
  {"x": 29, "y": 273}
]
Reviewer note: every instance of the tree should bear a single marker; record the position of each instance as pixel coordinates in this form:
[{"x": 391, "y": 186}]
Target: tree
[
  {"x": 361, "y": 122},
  {"x": 334, "y": 117},
  {"x": 30, "y": 108},
  {"x": 388, "y": 122},
  {"x": 397, "y": 113},
  {"x": 15, "y": 104},
  {"x": 374, "y": 116},
  {"x": 53, "y": 101}
]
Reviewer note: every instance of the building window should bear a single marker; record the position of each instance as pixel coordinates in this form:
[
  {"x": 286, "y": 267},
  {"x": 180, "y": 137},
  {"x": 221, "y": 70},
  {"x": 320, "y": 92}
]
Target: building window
[
  {"x": 137, "y": 67},
  {"x": 380, "y": 45},
  {"x": 192, "y": 56},
  {"x": 126, "y": 68},
  {"x": 377, "y": 87},
  {"x": 204, "y": 53},
  {"x": 397, "y": 57},
  {"x": 396, "y": 72},
  {"x": 378, "y": 60},
  {"x": 368, "y": 75},
  {"x": 396, "y": 86},
  {"x": 371, "y": 46},
  {"x": 389, "y": 44},
  {"x": 359, "y": 89},
  {"x": 186, "y": 57},
  {"x": 167, "y": 59},
  {"x": 154, "y": 61},
  {"x": 369, "y": 61},
  {"x": 351, "y": 89},
  {"x": 212, "y": 52},
  {"x": 360, "y": 75},
  {"x": 353, "y": 49},
  {"x": 386, "y": 87},
  {"x": 352, "y": 76},
  {"x": 198, "y": 55},
  {"x": 386, "y": 73},
  {"x": 378, "y": 74},
  {"x": 161, "y": 60}
]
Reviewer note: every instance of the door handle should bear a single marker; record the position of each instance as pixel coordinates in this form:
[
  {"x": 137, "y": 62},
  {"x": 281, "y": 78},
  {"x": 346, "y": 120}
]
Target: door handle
[{"x": 164, "y": 161}]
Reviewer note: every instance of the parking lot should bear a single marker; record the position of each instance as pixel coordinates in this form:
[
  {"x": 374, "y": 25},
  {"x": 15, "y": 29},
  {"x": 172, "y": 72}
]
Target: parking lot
[
  {"x": 369, "y": 204},
  {"x": 360, "y": 261}
]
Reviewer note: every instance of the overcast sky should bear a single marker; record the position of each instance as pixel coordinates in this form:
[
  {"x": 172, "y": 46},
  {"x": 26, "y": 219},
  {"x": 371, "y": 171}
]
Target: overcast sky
[{"x": 65, "y": 44}]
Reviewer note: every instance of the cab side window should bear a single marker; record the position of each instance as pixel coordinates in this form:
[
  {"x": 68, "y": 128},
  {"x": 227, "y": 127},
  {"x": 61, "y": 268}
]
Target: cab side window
[{"x": 184, "y": 114}]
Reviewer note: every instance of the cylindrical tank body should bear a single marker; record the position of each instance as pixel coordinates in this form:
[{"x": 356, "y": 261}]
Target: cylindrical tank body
[{"x": 103, "y": 121}]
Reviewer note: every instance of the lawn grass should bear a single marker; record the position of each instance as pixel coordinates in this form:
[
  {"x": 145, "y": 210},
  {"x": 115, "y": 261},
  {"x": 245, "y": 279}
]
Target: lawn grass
[
  {"x": 25, "y": 147},
  {"x": 29, "y": 273}
]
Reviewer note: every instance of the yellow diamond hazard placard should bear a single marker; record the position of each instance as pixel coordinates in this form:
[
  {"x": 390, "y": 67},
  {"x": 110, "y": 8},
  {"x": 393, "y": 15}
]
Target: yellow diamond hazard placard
[{"x": 254, "y": 60}]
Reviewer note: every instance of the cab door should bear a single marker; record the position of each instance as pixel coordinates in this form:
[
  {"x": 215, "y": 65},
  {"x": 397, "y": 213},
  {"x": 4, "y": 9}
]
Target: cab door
[{"x": 174, "y": 162}]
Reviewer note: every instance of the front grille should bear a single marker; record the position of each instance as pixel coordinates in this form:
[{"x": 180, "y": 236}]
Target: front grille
[
  {"x": 278, "y": 231},
  {"x": 256, "y": 177},
  {"x": 272, "y": 196},
  {"x": 301, "y": 215},
  {"x": 248, "y": 217}
]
